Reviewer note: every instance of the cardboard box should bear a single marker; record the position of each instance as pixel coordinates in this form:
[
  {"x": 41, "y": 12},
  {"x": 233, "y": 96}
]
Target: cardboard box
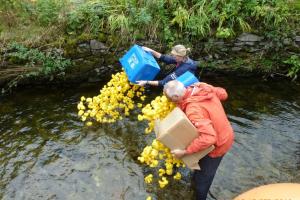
[{"x": 177, "y": 132}]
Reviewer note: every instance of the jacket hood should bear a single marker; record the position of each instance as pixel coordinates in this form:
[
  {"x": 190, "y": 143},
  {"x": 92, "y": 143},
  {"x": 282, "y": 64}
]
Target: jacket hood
[{"x": 202, "y": 92}]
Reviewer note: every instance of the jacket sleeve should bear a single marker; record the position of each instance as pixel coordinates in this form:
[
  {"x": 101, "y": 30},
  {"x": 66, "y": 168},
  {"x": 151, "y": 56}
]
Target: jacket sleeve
[
  {"x": 167, "y": 59},
  {"x": 207, "y": 134},
  {"x": 221, "y": 93},
  {"x": 168, "y": 78}
]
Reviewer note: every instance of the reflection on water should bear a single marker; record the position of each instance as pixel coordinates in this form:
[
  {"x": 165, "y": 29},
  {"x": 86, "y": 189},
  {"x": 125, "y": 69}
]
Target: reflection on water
[{"x": 47, "y": 153}]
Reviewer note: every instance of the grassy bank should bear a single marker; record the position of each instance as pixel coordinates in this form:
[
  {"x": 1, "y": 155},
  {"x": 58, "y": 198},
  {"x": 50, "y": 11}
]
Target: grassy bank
[
  {"x": 43, "y": 24},
  {"x": 36, "y": 21}
]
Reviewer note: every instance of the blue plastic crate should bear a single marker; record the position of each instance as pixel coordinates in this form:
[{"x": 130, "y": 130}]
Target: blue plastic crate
[
  {"x": 139, "y": 64},
  {"x": 187, "y": 79}
]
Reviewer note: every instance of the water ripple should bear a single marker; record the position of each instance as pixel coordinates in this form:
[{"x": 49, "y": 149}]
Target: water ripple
[{"x": 47, "y": 153}]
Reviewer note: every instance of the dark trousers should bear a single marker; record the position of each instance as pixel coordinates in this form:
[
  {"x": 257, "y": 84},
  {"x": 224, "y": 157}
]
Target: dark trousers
[{"x": 203, "y": 178}]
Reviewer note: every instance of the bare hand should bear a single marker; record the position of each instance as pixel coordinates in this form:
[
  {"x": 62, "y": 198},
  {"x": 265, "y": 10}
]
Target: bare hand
[
  {"x": 147, "y": 49},
  {"x": 178, "y": 153},
  {"x": 141, "y": 83}
]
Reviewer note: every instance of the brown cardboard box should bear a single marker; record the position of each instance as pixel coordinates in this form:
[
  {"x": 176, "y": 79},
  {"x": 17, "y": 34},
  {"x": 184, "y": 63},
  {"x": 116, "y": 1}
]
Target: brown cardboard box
[{"x": 177, "y": 132}]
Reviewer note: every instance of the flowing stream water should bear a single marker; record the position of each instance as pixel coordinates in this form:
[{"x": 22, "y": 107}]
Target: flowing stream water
[{"x": 46, "y": 152}]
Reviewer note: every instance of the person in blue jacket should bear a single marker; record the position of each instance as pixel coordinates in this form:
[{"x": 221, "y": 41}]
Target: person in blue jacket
[{"x": 179, "y": 56}]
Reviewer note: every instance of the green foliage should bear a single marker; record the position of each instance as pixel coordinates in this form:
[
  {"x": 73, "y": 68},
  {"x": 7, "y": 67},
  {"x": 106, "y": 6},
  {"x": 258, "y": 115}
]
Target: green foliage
[
  {"x": 167, "y": 20},
  {"x": 261, "y": 64},
  {"x": 50, "y": 62},
  {"x": 89, "y": 17},
  {"x": 43, "y": 12},
  {"x": 267, "y": 65},
  {"x": 48, "y": 11},
  {"x": 224, "y": 32},
  {"x": 75, "y": 22},
  {"x": 295, "y": 4},
  {"x": 161, "y": 16},
  {"x": 181, "y": 16},
  {"x": 142, "y": 16},
  {"x": 9, "y": 11},
  {"x": 199, "y": 21},
  {"x": 272, "y": 13},
  {"x": 294, "y": 62},
  {"x": 118, "y": 22}
]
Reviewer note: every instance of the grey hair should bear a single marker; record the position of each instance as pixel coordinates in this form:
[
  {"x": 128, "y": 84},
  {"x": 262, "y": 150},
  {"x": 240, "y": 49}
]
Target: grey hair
[{"x": 174, "y": 88}]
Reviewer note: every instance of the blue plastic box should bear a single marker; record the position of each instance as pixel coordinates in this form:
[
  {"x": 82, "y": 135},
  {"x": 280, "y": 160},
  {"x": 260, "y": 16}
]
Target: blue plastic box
[
  {"x": 187, "y": 79},
  {"x": 139, "y": 64}
]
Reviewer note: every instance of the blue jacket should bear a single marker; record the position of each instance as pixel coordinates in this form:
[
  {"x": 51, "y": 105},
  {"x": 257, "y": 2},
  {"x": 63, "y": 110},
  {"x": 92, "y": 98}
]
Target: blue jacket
[{"x": 188, "y": 65}]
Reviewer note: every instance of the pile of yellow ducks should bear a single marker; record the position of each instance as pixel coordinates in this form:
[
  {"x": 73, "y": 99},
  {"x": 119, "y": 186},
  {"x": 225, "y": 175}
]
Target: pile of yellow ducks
[{"x": 115, "y": 100}]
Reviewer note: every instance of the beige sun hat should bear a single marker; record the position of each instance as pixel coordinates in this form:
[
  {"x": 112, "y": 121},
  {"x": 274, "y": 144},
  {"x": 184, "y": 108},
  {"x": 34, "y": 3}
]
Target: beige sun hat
[{"x": 180, "y": 50}]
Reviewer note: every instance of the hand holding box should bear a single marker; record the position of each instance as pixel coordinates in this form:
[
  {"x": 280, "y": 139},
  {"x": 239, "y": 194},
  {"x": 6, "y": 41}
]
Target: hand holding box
[{"x": 177, "y": 132}]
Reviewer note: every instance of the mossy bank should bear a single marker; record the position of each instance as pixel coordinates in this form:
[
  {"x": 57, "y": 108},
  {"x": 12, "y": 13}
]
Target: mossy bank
[{"x": 50, "y": 41}]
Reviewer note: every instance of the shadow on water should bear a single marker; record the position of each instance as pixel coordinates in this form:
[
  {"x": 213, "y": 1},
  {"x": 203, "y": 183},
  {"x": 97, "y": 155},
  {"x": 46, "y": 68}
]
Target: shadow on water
[{"x": 47, "y": 153}]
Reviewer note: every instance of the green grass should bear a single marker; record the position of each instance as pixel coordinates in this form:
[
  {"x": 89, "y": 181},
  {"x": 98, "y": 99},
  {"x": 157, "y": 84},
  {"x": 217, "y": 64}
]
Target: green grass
[
  {"x": 32, "y": 35},
  {"x": 295, "y": 4},
  {"x": 159, "y": 19},
  {"x": 41, "y": 23}
]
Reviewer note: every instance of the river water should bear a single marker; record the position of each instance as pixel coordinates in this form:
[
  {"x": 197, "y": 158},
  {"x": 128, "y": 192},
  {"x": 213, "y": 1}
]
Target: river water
[{"x": 47, "y": 153}]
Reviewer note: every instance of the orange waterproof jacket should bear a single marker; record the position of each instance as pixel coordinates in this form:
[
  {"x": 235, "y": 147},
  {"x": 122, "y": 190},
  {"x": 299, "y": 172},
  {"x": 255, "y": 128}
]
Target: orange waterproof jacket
[{"x": 201, "y": 103}]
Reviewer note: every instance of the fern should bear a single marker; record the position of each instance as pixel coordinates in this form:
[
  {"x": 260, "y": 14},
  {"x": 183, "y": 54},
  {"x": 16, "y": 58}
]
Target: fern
[
  {"x": 294, "y": 62},
  {"x": 181, "y": 16},
  {"x": 118, "y": 22},
  {"x": 244, "y": 25}
]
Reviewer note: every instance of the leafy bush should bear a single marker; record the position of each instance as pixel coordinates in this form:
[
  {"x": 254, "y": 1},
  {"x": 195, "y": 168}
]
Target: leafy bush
[
  {"x": 294, "y": 62},
  {"x": 194, "y": 19},
  {"x": 8, "y": 12},
  {"x": 48, "y": 11},
  {"x": 50, "y": 62},
  {"x": 89, "y": 17},
  {"x": 167, "y": 20}
]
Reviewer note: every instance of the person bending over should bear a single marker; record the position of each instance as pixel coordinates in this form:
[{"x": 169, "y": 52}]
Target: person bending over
[
  {"x": 179, "y": 56},
  {"x": 202, "y": 105}
]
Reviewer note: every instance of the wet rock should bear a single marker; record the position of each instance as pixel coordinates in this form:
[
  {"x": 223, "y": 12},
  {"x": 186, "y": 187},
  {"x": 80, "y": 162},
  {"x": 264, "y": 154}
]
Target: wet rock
[
  {"x": 250, "y": 43},
  {"x": 248, "y": 37},
  {"x": 83, "y": 50},
  {"x": 252, "y": 50},
  {"x": 94, "y": 79},
  {"x": 267, "y": 45},
  {"x": 297, "y": 40},
  {"x": 84, "y": 46},
  {"x": 216, "y": 56},
  {"x": 4, "y": 64},
  {"x": 224, "y": 49},
  {"x": 98, "y": 48},
  {"x": 287, "y": 41},
  {"x": 219, "y": 43},
  {"x": 96, "y": 45},
  {"x": 207, "y": 58},
  {"x": 263, "y": 43},
  {"x": 220, "y": 62},
  {"x": 239, "y": 44},
  {"x": 236, "y": 49}
]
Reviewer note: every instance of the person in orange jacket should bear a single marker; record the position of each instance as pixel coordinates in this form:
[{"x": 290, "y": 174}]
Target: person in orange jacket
[{"x": 202, "y": 105}]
